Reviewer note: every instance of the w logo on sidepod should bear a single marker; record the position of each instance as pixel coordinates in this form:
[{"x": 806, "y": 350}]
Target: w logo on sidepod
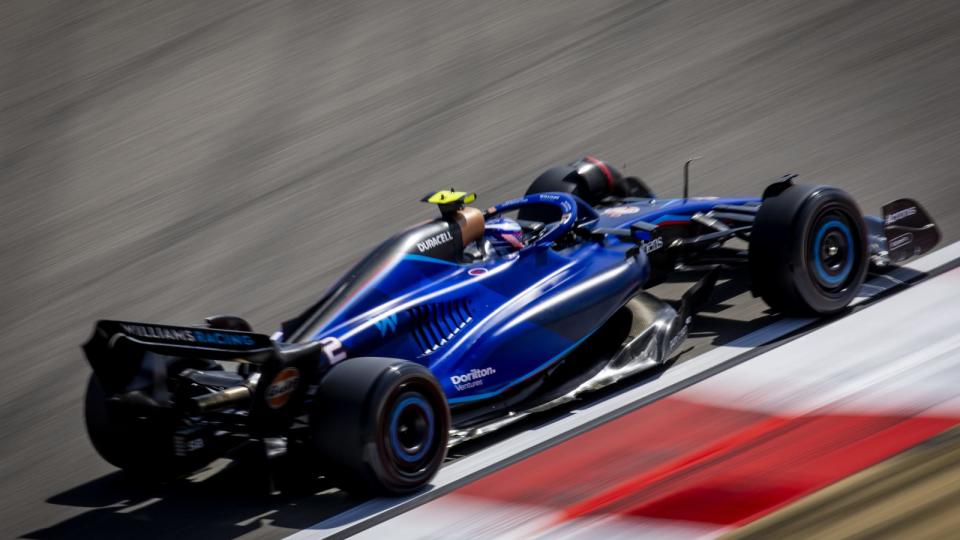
[{"x": 387, "y": 325}]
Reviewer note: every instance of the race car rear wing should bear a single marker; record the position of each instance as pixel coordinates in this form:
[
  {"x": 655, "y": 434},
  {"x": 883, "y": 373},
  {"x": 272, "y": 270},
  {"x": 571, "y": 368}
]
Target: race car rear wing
[
  {"x": 181, "y": 340},
  {"x": 117, "y": 348},
  {"x": 133, "y": 362}
]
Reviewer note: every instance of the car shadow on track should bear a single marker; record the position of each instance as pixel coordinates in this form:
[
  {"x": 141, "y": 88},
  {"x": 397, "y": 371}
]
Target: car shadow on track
[
  {"x": 731, "y": 312},
  {"x": 232, "y": 502}
]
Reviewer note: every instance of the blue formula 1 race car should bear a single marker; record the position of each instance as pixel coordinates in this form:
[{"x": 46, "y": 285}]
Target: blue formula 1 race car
[{"x": 465, "y": 323}]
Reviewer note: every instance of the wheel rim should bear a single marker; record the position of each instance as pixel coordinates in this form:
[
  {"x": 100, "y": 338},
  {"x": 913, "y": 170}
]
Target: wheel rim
[
  {"x": 832, "y": 252},
  {"x": 411, "y": 428}
]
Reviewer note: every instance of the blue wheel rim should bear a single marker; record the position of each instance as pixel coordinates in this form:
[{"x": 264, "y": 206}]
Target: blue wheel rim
[
  {"x": 833, "y": 279},
  {"x": 399, "y": 449}
]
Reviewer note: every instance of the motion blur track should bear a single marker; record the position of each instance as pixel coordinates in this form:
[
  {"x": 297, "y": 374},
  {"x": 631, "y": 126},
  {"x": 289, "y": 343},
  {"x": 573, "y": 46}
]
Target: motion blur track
[{"x": 166, "y": 161}]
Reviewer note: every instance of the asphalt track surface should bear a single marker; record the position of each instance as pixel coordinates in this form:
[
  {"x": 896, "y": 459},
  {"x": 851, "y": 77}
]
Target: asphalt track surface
[{"x": 166, "y": 161}]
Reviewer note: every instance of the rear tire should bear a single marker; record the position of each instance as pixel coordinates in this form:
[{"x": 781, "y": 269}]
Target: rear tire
[
  {"x": 379, "y": 426},
  {"x": 808, "y": 250},
  {"x": 140, "y": 445}
]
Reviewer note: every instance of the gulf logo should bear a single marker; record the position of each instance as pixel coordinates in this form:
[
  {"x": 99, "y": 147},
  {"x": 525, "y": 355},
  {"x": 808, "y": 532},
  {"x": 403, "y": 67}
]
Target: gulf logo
[{"x": 281, "y": 387}]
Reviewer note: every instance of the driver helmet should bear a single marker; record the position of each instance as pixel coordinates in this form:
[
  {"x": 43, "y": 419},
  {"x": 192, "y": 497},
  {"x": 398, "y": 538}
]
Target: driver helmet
[{"x": 504, "y": 235}]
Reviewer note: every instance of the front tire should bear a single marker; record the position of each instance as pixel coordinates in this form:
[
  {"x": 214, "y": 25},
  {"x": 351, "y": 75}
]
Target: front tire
[
  {"x": 808, "y": 250},
  {"x": 380, "y": 426},
  {"x": 588, "y": 178}
]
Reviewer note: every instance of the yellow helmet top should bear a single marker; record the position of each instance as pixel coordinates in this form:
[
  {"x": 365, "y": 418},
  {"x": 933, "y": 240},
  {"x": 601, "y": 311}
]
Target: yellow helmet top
[
  {"x": 450, "y": 200},
  {"x": 449, "y": 196}
]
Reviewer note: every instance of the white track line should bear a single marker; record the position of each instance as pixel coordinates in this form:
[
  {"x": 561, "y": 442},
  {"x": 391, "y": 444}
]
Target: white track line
[{"x": 691, "y": 368}]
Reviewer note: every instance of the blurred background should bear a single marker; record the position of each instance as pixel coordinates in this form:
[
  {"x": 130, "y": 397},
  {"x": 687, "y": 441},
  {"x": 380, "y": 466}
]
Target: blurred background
[{"x": 168, "y": 160}]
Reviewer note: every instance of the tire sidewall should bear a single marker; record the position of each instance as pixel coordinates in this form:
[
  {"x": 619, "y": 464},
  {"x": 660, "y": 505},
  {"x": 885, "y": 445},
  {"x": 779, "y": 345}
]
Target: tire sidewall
[
  {"x": 349, "y": 417},
  {"x": 393, "y": 387},
  {"x": 807, "y": 222}
]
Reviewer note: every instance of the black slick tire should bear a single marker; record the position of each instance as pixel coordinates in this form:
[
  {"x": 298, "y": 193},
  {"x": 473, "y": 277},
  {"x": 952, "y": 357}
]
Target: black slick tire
[
  {"x": 808, "y": 250},
  {"x": 379, "y": 426},
  {"x": 140, "y": 445},
  {"x": 598, "y": 181}
]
